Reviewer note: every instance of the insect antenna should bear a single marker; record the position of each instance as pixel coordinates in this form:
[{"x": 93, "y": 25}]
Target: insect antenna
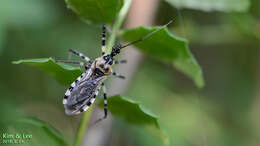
[
  {"x": 116, "y": 49},
  {"x": 147, "y": 36}
]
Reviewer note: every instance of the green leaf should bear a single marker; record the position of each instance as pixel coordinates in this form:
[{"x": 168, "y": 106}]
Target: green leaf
[
  {"x": 63, "y": 73},
  {"x": 98, "y": 11},
  {"x": 168, "y": 47},
  {"x": 213, "y": 5},
  {"x": 136, "y": 114},
  {"x": 42, "y": 133}
]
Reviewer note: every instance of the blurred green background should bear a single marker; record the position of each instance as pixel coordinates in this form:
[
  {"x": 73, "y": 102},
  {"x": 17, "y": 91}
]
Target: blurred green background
[{"x": 223, "y": 113}]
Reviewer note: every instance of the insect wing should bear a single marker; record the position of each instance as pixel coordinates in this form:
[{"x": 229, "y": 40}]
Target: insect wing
[{"x": 82, "y": 93}]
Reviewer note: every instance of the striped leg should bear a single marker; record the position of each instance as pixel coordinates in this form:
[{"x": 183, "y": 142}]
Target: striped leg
[
  {"x": 105, "y": 105},
  {"x": 103, "y": 47},
  {"x": 120, "y": 61},
  {"x": 80, "y": 55},
  {"x": 117, "y": 75},
  {"x": 105, "y": 100}
]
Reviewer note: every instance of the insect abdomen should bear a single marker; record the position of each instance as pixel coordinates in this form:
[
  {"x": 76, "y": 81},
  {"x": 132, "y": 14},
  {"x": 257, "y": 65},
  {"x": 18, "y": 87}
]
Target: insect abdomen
[{"x": 82, "y": 93}]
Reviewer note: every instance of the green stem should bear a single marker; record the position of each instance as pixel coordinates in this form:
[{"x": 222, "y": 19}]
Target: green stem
[
  {"x": 118, "y": 23},
  {"x": 82, "y": 127}
]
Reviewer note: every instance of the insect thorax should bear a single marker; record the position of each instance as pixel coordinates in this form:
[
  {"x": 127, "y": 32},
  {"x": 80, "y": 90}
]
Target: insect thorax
[{"x": 102, "y": 65}]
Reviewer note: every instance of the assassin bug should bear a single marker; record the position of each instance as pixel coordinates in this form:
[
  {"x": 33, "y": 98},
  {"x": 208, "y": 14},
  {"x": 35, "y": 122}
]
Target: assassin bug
[{"x": 84, "y": 90}]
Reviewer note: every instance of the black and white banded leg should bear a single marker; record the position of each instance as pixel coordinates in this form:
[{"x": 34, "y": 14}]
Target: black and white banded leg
[
  {"x": 68, "y": 61},
  {"x": 80, "y": 55},
  {"x": 105, "y": 104},
  {"x": 103, "y": 47},
  {"x": 120, "y": 61},
  {"x": 118, "y": 76}
]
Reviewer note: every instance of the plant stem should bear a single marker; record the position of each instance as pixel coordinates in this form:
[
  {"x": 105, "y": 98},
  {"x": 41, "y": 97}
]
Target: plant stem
[
  {"x": 116, "y": 27},
  {"x": 82, "y": 127},
  {"x": 118, "y": 23}
]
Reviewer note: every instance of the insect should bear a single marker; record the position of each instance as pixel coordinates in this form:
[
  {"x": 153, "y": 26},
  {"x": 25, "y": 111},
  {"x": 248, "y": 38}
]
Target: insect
[{"x": 84, "y": 90}]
